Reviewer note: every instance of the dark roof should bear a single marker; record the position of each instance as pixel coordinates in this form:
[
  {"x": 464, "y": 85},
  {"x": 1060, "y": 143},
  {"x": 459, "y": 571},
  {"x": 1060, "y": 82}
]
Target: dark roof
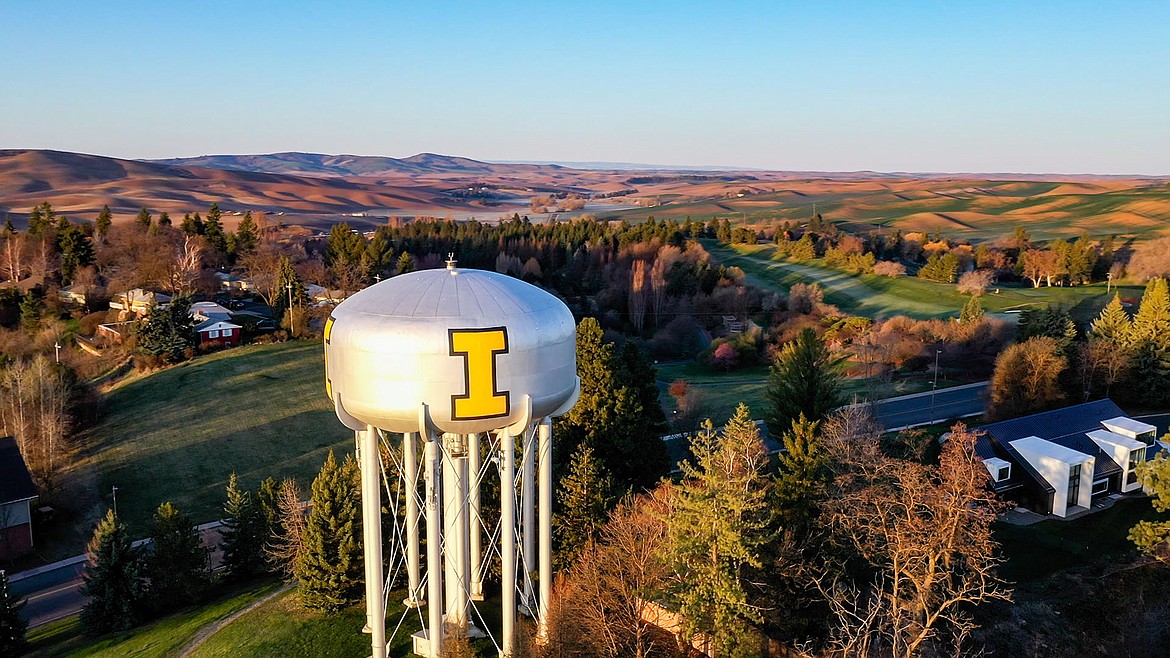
[
  {"x": 15, "y": 481},
  {"x": 1066, "y": 427}
]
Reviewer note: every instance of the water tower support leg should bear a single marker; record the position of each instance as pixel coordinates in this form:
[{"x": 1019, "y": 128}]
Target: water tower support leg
[
  {"x": 410, "y": 475},
  {"x": 455, "y": 536},
  {"x": 545, "y": 446},
  {"x": 508, "y": 540},
  {"x": 434, "y": 562},
  {"x": 371, "y": 469},
  {"x": 528, "y": 514},
  {"x": 473, "y": 469}
]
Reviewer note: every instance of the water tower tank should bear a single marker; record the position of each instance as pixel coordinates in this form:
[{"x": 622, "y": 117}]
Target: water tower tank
[{"x": 470, "y": 345}]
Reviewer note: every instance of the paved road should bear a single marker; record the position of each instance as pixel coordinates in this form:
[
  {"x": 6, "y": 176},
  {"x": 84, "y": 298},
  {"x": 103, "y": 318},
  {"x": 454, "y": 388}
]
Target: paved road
[
  {"x": 918, "y": 409},
  {"x": 54, "y": 592}
]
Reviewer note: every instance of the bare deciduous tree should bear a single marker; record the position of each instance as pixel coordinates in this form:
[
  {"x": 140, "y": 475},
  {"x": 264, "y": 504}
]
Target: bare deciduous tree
[{"x": 925, "y": 532}]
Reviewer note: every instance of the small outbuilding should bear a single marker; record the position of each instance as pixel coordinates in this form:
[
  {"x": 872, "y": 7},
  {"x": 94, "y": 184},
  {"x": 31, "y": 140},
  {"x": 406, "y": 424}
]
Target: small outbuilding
[{"x": 17, "y": 492}]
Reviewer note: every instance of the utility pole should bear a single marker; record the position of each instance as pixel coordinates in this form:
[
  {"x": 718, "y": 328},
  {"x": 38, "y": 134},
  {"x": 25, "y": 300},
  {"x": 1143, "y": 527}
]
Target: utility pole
[
  {"x": 57, "y": 350},
  {"x": 934, "y": 387},
  {"x": 289, "y": 286},
  {"x": 114, "y": 491}
]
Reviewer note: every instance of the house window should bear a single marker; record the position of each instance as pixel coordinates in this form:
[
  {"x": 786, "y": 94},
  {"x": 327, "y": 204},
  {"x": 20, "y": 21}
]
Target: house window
[
  {"x": 1146, "y": 438},
  {"x": 1074, "y": 484},
  {"x": 214, "y": 333},
  {"x": 1100, "y": 486},
  {"x": 1003, "y": 473},
  {"x": 227, "y": 333}
]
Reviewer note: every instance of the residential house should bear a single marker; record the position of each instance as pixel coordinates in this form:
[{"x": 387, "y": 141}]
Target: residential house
[
  {"x": 231, "y": 282},
  {"x": 1059, "y": 462},
  {"x": 218, "y": 332},
  {"x": 138, "y": 301},
  {"x": 17, "y": 492},
  {"x": 203, "y": 311}
]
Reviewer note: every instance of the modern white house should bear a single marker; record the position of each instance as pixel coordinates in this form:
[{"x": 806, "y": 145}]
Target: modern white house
[{"x": 1058, "y": 462}]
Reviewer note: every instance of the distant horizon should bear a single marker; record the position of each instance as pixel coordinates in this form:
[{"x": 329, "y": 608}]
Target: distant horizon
[{"x": 625, "y": 166}]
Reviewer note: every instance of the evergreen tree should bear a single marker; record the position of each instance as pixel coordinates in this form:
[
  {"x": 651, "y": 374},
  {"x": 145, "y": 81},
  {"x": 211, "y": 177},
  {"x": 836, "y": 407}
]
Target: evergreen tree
[
  {"x": 289, "y": 288},
  {"x": 32, "y": 307},
  {"x": 1153, "y": 537},
  {"x": 405, "y": 263},
  {"x": 167, "y": 331},
  {"x": 610, "y": 416},
  {"x": 941, "y": 268},
  {"x": 164, "y": 219},
  {"x": 12, "y": 625},
  {"x": 243, "y": 542},
  {"x": 972, "y": 311},
  {"x": 247, "y": 236},
  {"x": 1113, "y": 324},
  {"x": 716, "y": 526},
  {"x": 805, "y": 379},
  {"x": 192, "y": 225},
  {"x": 113, "y": 580},
  {"x": 101, "y": 225},
  {"x": 330, "y": 571},
  {"x": 1150, "y": 343},
  {"x": 213, "y": 230},
  {"x": 41, "y": 219},
  {"x": 1053, "y": 321},
  {"x": 144, "y": 218},
  {"x": 176, "y": 565},
  {"x": 76, "y": 251},
  {"x": 802, "y": 476},
  {"x": 585, "y": 499}
]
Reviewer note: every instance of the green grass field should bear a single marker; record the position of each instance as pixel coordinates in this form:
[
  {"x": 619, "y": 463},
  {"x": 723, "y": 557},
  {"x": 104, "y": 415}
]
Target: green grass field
[
  {"x": 178, "y": 434},
  {"x": 280, "y": 627},
  {"x": 880, "y": 297},
  {"x": 159, "y": 639}
]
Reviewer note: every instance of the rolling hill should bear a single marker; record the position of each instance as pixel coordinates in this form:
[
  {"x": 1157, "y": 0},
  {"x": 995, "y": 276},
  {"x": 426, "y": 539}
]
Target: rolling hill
[{"x": 349, "y": 166}]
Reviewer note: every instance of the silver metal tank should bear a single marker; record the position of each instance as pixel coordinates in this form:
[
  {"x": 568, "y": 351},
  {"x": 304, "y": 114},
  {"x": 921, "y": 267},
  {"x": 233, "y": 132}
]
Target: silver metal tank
[{"x": 459, "y": 349}]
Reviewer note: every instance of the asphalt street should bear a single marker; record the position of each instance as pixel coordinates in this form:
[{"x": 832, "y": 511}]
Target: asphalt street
[{"x": 928, "y": 408}]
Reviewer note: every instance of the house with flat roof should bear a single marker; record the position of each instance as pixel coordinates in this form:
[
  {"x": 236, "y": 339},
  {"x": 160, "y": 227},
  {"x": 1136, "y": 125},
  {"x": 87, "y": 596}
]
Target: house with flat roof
[{"x": 1058, "y": 462}]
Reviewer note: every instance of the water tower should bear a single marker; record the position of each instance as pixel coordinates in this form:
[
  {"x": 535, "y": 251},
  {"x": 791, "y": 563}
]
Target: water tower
[{"x": 468, "y": 367}]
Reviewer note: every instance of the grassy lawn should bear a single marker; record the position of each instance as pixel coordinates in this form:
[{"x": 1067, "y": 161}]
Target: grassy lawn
[
  {"x": 721, "y": 392},
  {"x": 877, "y": 296},
  {"x": 280, "y": 627},
  {"x": 177, "y": 435},
  {"x": 164, "y": 637},
  {"x": 1039, "y": 550}
]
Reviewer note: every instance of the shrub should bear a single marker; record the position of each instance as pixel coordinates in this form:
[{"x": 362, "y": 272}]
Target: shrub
[{"x": 892, "y": 269}]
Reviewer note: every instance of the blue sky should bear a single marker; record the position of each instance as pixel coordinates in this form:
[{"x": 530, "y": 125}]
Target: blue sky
[{"x": 1019, "y": 86}]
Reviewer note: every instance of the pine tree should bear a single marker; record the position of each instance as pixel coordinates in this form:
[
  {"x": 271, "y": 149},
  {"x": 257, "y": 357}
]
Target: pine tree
[
  {"x": 247, "y": 236},
  {"x": 164, "y": 219},
  {"x": 405, "y": 263},
  {"x": 101, "y": 225},
  {"x": 32, "y": 307},
  {"x": 192, "y": 225},
  {"x": 805, "y": 379},
  {"x": 76, "y": 251},
  {"x": 176, "y": 565},
  {"x": 1150, "y": 343},
  {"x": 243, "y": 544},
  {"x": 1113, "y": 324},
  {"x": 12, "y": 626},
  {"x": 610, "y": 415},
  {"x": 289, "y": 288},
  {"x": 803, "y": 474},
  {"x": 972, "y": 311},
  {"x": 144, "y": 218},
  {"x": 167, "y": 331},
  {"x": 716, "y": 527},
  {"x": 330, "y": 571},
  {"x": 585, "y": 499},
  {"x": 213, "y": 230},
  {"x": 1153, "y": 537},
  {"x": 113, "y": 579}
]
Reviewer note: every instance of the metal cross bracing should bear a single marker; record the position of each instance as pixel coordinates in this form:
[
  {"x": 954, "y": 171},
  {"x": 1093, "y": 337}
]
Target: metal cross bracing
[{"x": 441, "y": 477}]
